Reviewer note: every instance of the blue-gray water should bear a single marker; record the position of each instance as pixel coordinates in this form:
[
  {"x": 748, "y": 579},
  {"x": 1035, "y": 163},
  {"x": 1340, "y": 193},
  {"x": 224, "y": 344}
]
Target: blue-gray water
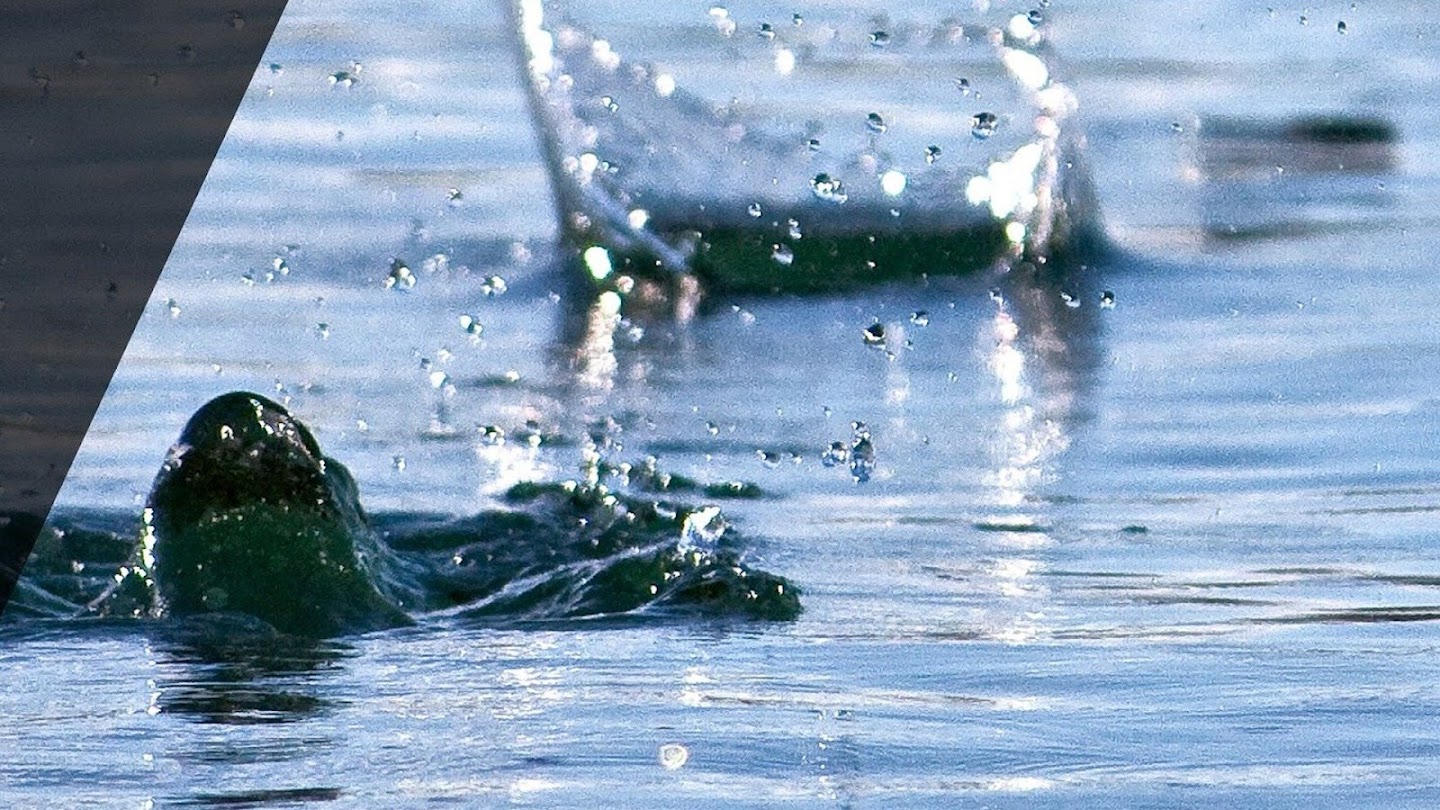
[{"x": 1171, "y": 553}]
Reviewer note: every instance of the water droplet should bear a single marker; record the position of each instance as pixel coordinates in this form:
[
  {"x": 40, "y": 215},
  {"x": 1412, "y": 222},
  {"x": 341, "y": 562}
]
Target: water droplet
[
  {"x": 343, "y": 78},
  {"x": 172, "y": 307},
  {"x": 323, "y": 330},
  {"x": 280, "y": 266},
  {"x": 828, "y": 189},
  {"x": 1035, "y": 17},
  {"x": 472, "y": 327},
  {"x": 796, "y": 19},
  {"x": 874, "y": 334},
  {"x": 794, "y": 228},
  {"x": 963, "y": 85},
  {"x": 1070, "y": 300},
  {"x": 1177, "y": 126},
  {"x": 712, "y": 428},
  {"x": 1341, "y": 27},
  {"x": 880, "y": 38},
  {"x": 1107, "y": 300},
  {"x": 400, "y": 277},
  {"x": 983, "y": 125},
  {"x": 920, "y": 318},
  {"x": 783, "y": 255},
  {"x": 673, "y": 756},
  {"x": 862, "y": 452},
  {"x": 398, "y": 462},
  {"x": 454, "y": 197},
  {"x": 893, "y": 184},
  {"x": 720, "y": 16},
  {"x": 1304, "y": 20},
  {"x": 932, "y": 154},
  {"x": 837, "y": 454},
  {"x": 494, "y": 287},
  {"x": 767, "y": 31},
  {"x": 755, "y": 210},
  {"x": 491, "y": 435},
  {"x": 875, "y": 123},
  {"x": 813, "y": 144},
  {"x": 769, "y": 458},
  {"x": 361, "y": 425},
  {"x": 276, "y": 68}
]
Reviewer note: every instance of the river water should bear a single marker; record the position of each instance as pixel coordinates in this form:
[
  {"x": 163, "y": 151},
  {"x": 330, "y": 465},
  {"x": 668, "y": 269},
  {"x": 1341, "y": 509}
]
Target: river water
[{"x": 1170, "y": 552}]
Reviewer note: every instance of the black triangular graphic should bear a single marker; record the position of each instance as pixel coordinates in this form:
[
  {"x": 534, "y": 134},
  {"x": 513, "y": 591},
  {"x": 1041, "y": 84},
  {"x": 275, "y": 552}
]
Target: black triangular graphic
[{"x": 111, "y": 114}]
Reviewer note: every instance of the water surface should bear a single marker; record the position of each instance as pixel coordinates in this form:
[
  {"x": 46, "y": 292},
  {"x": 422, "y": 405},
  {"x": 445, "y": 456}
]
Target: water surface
[{"x": 1174, "y": 552}]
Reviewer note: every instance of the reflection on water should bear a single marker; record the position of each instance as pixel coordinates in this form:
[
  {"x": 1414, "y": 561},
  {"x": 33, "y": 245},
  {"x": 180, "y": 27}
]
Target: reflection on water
[{"x": 242, "y": 680}]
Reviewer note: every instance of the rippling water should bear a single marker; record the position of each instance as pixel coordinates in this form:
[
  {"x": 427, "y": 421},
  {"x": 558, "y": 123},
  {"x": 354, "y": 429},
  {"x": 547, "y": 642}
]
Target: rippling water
[{"x": 1174, "y": 552}]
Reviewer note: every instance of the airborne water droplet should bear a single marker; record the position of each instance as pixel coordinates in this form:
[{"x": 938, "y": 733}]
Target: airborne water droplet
[
  {"x": 1107, "y": 300},
  {"x": 932, "y": 154},
  {"x": 755, "y": 210},
  {"x": 783, "y": 255},
  {"x": 880, "y": 38},
  {"x": 983, "y": 125},
  {"x": 767, "y": 31},
  {"x": 875, "y": 122},
  {"x": 874, "y": 334},
  {"x": 828, "y": 188},
  {"x": 963, "y": 85},
  {"x": 920, "y": 318},
  {"x": 1341, "y": 28},
  {"x": 400, "y": 277},
  {"x": 862, "y": 452},
  {"x": 172, "y": 307}
]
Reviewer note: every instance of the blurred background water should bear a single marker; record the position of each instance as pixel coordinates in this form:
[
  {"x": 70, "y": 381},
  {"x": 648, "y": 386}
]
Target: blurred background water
[{"x": 1170, "y": 552}]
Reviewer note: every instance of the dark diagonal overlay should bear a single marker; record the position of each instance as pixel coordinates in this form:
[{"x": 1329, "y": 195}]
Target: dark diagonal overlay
[{"x": 111, "y": 112}]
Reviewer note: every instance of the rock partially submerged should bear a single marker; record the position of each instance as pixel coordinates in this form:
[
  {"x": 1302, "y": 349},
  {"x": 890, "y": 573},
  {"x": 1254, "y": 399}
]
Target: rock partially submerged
[{"x": 250, "y": 525}]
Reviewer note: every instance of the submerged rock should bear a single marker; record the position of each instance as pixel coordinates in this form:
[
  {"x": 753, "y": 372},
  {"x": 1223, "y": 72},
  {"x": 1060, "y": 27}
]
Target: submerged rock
[{"x": 248, "y": 521}]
